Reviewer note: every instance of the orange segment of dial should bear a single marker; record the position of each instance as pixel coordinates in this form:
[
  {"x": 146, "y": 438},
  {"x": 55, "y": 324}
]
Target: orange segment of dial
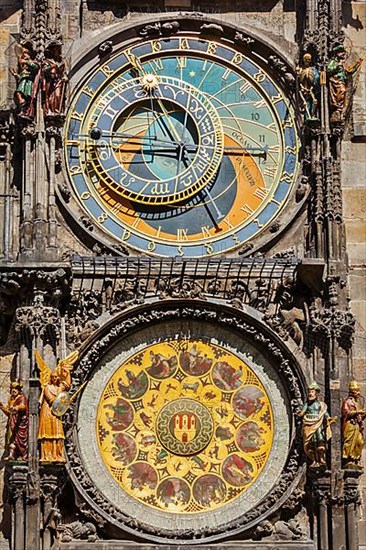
[{"x": 128, "y": 150}]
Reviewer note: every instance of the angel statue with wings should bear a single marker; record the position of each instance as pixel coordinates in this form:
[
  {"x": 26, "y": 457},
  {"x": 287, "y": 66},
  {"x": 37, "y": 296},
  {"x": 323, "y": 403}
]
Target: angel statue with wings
[{"x": 50, "y": 430}]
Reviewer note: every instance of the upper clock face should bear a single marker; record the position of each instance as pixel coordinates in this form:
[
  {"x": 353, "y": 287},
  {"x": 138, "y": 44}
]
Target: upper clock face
[{"x": 181, "y": 146}]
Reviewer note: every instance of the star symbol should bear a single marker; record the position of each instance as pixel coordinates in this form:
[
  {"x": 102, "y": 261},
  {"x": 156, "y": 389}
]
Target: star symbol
[{"x": 192, "y": 74}]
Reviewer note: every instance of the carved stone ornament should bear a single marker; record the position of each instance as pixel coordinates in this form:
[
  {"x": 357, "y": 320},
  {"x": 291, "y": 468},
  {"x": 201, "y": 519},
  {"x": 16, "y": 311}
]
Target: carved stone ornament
[
  {"x": 141, "y": 318},
  {"x": 77, "y": 530},
  {"x": 159, "y": 29},
  {"x": 105, "y": 48},
  {"x": 280, "y": 530},
  {"x": 325, "y": 324},
  {"x": 241, "y": 39},
  {"x": 213, "y": 29},
  {"x": 282, "y": 70},
  {"x": 352, "y": 496}
]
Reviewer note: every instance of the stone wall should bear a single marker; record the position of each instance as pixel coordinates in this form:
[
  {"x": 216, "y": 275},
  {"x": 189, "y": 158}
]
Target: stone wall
[{"x": 354, "y": 206}]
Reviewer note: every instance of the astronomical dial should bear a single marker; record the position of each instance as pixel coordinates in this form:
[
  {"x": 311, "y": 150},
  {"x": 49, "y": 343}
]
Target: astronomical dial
[
  {"x": 166, "y": 142},
  {"x": 181, "y": 146}
]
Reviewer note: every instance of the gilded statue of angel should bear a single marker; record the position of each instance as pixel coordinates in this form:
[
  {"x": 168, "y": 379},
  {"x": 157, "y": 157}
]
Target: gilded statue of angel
[{"x": 53, "y": 382}]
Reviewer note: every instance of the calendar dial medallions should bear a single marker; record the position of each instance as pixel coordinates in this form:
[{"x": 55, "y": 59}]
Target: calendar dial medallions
[
  {"x": 185, "y": 426},
  {"x": 181, "y": 146}
]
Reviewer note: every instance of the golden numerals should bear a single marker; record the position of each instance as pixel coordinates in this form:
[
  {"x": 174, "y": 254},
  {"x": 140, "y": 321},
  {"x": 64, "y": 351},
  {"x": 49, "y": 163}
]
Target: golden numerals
[
  {"x": 209, "y": 248},
  {"x": 286, "y": 177},
  {"x": 77, "y": 116},
  {"x": 182, "y": 234},
  {"x": 157, "y": 64},
  {"x": 75, "y": 170},
  {"x": 155, "y": 46},
  {"x": 107, "y": 70},
  {"x": 237, "y": 58},
  {"x": 261, "y": 192},
  {"x": 274, "y": 148},
  {"x": 259, "y": 76},
  {"x": 270, "y": 172},
  {"x": 184, "y": 44},
  {"x": 259, "y": 104},
  {"x": 247, "y": 209},
  {"x": 205, "y": 231},
  {"x": 103, "y": 217},
  {"x": 181, "y": 62},
  {"x": 276, "y": 98},
  {"x": 212, "y": 47}
]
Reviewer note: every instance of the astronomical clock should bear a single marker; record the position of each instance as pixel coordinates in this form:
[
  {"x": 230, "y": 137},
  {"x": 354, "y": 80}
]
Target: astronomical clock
[
  {"x": 173, "y": 277},
  {"x": 181, "y": 146},
  {"x": 181, "y": 149}
]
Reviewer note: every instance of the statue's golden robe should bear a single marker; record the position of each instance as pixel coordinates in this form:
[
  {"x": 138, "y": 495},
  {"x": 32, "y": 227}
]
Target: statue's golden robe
[{"x": 50, "y": 431}]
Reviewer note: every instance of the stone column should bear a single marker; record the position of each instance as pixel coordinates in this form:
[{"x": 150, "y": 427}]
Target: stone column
[
  {"x": 33, "y": 513},
  {"x": 322, "y": 494},
  {"x": 52, "y": 222},
  {"x": 51, "y": 481},
  {"x": 18, "y": 485},
  {"x": 28, "y": 177},
  {"x": 351, "y": 502}
]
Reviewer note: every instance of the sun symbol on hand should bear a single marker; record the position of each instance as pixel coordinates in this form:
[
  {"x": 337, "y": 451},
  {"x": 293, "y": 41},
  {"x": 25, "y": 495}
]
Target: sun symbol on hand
[{"x": 149, "y": 81}]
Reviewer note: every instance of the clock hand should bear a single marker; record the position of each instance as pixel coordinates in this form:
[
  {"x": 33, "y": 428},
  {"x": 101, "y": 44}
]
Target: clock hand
[
  {"x": 219, "y": 214},
  {"x": 262, "y": 151},
  {"x": 174, "y": 131},
  {"x": 205, "y": 190},
  {"x": 136, "y": 64},
  {"x": 181, "y": 146},
  {"x": 97, "y": 135}
]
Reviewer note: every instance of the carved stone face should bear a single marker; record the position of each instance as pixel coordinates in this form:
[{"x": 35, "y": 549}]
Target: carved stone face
[{"x": 312, "y": 394}]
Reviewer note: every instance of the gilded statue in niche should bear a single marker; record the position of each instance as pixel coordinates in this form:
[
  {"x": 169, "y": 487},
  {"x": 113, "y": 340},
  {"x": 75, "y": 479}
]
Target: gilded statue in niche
[
  {"x": 17, "y": 429},
  {"x": 50, "y": 430},
  {"x": 27, "y": 77},
  {"x": 353, "y": 416},
  {"x": 340, "y": 81},
  {"x": 316, "y": 429}
]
